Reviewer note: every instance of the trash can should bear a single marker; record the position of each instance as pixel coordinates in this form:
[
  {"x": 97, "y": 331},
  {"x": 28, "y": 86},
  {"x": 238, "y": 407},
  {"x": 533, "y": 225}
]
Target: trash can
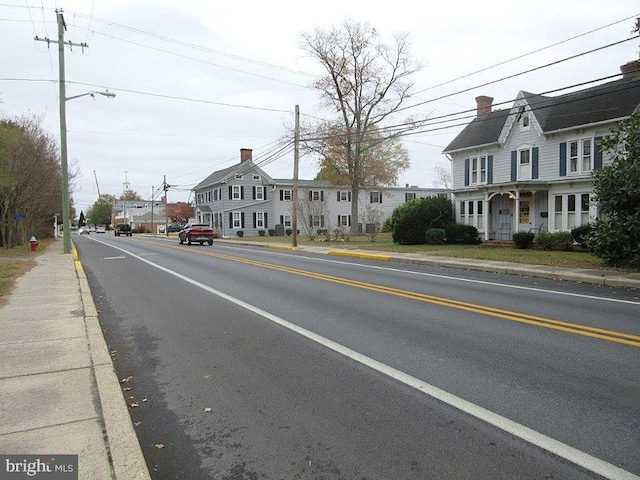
[{"x": 279, "y": 230}]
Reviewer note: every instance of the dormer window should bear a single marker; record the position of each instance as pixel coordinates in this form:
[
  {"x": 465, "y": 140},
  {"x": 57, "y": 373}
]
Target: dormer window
[{"x": 525, "y": 120}]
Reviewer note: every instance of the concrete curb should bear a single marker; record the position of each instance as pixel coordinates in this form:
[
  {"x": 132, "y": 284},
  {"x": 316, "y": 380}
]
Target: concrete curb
[{"x": 121, "y": 439}]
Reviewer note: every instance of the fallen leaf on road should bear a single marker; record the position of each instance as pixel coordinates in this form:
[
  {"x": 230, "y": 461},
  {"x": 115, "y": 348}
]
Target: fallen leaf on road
[
  {"x": 125, "y": 380},
  {"x": 144, "y": 399},
  {"x": 137, "y": 424},
  {"x": 133, "y": 405},
  {"x": 159, "y": 445},
  {"x": 207, "y": 409},
  {"x": 126, "y": 389}
]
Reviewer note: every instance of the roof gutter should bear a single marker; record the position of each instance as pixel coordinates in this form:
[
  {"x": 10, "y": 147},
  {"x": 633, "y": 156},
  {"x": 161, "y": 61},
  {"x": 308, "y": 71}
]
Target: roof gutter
[
  {"x": 458, "y": 150},
  {"x": 588, "y": 125}
]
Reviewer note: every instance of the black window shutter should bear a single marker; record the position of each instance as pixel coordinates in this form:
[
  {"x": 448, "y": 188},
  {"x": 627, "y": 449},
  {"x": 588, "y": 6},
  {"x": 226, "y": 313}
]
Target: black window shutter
[
  {"x": 322, "y": 195},
  {"x": 310, "y": 195},
  {"x": 230, "y": 192},
  {"x": 266, "y": 221},
  {"x": 241, "y": 192},
  {"x": 231, "y": 219},
  {"x": 466, "y": 172},
  {"x": 490, "y": 169},
  {"x": 338, "y": 196},
  {"x": 281, "y": 195},
  {"x": 242, "y": 219},
  {"x": 349, "y": 196},
  {"x": 534, "y": 163},
  {"x": 254, "y": 220},
  {"x": 380, "y": 197},
  {"x": 349, "y": 220},
  {"x": 281, "y": 219},
  {"x": 514, "y": 165},
  {"x": 370, "y": 197},
  {"x": 322, "y": 221},
  {"x": 264, "y": 193},
  {"x": 254, "y": 192},
  {"x": 597, "y": 158},
  {"x": 563, "y": 159}
]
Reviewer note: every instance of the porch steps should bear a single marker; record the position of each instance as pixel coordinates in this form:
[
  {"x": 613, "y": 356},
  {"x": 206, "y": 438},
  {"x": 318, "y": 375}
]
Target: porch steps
[{"x": 498, "y": 243}]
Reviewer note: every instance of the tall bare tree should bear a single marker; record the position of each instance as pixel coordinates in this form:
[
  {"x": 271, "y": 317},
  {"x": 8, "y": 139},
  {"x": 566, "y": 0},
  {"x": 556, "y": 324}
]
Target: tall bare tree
[{"x": 365, "y": 83}]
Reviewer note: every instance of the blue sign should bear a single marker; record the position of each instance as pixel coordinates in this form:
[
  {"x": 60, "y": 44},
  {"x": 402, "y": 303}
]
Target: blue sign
[{"x": 20, "y": 216}]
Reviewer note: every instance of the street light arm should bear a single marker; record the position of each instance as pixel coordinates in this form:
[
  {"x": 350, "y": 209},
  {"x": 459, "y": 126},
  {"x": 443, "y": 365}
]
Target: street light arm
[{"x": 93, "y": 94}]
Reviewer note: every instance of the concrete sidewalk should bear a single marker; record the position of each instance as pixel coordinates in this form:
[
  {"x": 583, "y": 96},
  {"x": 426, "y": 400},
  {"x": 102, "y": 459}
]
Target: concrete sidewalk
[{"x": 58, "y": 389}]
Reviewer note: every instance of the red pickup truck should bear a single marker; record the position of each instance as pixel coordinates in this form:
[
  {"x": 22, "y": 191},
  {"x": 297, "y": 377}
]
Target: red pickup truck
[{"x": 196, "y": 233}]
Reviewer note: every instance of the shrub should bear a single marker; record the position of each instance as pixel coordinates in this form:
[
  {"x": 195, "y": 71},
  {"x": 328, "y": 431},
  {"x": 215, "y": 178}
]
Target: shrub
[
  {"x": 557, "y": 241},
  {"x": 580, "y": 235},
  {"x": 615, "y": 245},
  {"x": 272, "y": 232},
  {"x": 435, "y": 236},
  {"x": 261, "y": 233},
  {"x": 523, "y": 240},
  {"x": 288, "y": 232},
  {"x": 462, "y": 234},
  {"x": 240, "y": 233},
  {"x": 412, "y": 219}
]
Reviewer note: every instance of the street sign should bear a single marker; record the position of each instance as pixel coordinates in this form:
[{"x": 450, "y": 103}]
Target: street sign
[{"x": 20, "y": 216}]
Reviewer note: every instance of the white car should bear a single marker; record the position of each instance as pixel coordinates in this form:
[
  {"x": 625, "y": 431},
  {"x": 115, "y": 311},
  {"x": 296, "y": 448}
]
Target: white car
[
  {"x": 83, "y": 231},
  {"x": 100, "y": 229}
]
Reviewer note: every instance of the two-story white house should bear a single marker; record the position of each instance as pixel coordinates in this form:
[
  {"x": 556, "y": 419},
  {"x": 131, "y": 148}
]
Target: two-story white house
[
  {"x": 244, "y": 197},
  {"x": 529, "y": 168}
]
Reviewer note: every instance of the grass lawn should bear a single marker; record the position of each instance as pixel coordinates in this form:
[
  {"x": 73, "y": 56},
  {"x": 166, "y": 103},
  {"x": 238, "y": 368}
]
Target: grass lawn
[
  {"x": 384, "y": 243},
  {"x": 15, "y": 262}
]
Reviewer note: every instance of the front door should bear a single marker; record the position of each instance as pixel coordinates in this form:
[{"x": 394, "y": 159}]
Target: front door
[{"x": 504, "y": 217}]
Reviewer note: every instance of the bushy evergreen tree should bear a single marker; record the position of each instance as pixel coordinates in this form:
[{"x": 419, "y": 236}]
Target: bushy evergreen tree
[{"x": 616, "y": 235}]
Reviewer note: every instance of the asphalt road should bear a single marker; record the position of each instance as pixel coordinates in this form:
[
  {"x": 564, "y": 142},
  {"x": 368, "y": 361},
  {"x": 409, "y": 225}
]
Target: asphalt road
[{"x": 252, "y": 363}]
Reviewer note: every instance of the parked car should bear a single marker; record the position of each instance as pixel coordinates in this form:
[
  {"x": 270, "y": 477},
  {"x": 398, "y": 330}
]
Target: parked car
[
  {"x": 196, "y": 233},
  {"x": 100, "y": 229},
  {"x": 174, "y": 227}
]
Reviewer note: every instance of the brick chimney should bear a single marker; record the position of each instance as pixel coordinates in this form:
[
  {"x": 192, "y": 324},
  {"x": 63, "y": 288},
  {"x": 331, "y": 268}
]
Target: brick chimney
[
  {"x": 246, "y": 154},
  {"x": 630, "y": 69},
  {"x": 484, "y": 104}
]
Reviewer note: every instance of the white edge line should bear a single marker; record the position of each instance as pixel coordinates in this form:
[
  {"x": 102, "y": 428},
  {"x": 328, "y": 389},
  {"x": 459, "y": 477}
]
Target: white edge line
[{"x": 562, "y": 450}]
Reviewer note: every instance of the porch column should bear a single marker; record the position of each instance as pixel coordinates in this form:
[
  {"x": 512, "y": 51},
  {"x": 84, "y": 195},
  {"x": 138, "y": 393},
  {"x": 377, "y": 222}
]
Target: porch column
[
  {"x": 517, "y": 213},
  {"x": 485, "y": 216}
]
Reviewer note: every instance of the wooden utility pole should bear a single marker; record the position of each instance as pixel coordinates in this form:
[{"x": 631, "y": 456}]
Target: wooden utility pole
[
  {"x": 66, "y": 207},
  {"x": 296, "y": 161}
]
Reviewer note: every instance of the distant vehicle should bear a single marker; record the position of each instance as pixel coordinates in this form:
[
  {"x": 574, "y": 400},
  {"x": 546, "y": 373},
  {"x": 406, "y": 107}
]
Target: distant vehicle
[
  {"x": 123, "y": 229},
  {"x": 196, "y": 233},
  {"x": 100, "y": 229},
  {"x": 161, "y": 228},
  {"x": 174, "y": 227},
  {"x": 83, "y": 231}
]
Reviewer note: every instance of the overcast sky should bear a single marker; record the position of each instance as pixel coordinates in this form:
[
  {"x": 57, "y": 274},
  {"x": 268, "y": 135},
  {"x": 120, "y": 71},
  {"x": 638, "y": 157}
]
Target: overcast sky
[{"x": 197, "y": 80}]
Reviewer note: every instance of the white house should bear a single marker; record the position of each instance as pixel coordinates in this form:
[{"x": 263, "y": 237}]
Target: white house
[
  {"x": 529, "y": 168},
  {"x": 244, "y": 197}
]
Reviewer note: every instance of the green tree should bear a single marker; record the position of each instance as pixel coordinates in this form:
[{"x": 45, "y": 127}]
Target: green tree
[
  {"x": 81, "y": 219},
  {"x": 616, "y": 235},
  {"x": 411, "y": 220},
  {"x": 365, "y": 83},
  {"x": 100, "y": 211}
]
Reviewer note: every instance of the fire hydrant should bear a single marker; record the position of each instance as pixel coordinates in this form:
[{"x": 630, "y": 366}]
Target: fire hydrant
[{"x": 34, "y": 243}]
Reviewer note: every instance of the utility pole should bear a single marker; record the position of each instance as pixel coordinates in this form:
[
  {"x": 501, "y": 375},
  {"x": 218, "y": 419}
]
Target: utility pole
[
  {"x": 296, "y": 161},
  {"x": 166, "y": 217},
  {"x": 153, "y": 229},
  {"x": 66, "y": 208}
]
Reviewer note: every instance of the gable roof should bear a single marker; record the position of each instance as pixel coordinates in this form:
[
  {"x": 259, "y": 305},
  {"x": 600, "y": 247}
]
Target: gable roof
[
  {"x": 221, "y": 176},
  {"x": 609, "y": 102}
]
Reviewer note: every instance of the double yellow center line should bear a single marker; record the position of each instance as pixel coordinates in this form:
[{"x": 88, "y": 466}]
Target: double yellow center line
[{"x": 577, "y": 329}]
